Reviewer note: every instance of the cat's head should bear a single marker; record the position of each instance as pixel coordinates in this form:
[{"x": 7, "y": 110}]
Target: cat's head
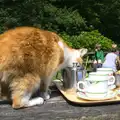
[
  {"x": 82, "y": 52},
  {"x": 76, "y": 56}
]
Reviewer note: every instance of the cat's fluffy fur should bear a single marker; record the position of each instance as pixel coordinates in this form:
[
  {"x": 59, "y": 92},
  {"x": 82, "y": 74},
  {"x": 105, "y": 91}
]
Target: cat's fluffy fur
[{"x": 29, "y": 57}]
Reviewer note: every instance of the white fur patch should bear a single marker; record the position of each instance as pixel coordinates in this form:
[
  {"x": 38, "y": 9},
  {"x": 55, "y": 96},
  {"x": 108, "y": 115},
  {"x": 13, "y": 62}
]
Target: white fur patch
[
  {"x": 76, "y": 55},
  {"x": 26, "y": 98},
  {"x": 70, "y": 56},
  {"x": 36, "y": 101},
  {"x": 45, "y": 95}
]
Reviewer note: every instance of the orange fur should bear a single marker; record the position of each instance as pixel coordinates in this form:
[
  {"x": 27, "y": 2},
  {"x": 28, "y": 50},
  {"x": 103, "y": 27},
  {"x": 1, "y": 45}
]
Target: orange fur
[{"x": 28, "y": 57}]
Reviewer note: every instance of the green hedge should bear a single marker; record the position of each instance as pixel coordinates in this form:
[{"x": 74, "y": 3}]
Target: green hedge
[{"x": 87, "y": 40}]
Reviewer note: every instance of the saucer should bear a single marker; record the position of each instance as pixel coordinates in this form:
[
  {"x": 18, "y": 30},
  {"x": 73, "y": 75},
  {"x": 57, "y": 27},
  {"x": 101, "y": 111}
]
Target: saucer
[
  {"x": 109, "y": 95},
  {"x": 111, "y": 87}
]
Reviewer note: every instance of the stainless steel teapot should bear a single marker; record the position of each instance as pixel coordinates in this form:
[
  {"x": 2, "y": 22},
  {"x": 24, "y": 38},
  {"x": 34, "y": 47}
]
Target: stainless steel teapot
[{"x": 71, "y": 75}]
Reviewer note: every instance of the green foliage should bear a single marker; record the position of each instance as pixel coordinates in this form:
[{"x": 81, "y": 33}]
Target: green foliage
[
  {"x": 76, "y": 21},
  {"x": 88, "y": 40},
  {"x": 65, "y": 19},
  {"x": 41, "y": 14},
  {"x": 103, "y": 15}
]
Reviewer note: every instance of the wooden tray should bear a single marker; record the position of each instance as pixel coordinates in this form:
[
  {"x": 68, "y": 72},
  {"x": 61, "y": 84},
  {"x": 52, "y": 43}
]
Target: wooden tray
[{"x": 71, "y": 95}]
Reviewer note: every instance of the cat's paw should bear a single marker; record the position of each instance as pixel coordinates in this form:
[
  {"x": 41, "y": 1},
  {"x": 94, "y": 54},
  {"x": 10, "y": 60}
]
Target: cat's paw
[{"x": 45, "y": 95}]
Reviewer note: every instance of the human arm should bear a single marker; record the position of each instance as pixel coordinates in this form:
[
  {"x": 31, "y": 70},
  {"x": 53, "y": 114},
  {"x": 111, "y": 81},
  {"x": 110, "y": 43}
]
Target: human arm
[{"x": 102, "y": 56}]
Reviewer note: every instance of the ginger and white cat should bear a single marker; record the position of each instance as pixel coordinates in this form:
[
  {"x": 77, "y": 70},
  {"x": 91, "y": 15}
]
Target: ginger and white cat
[{"x": 29, "y": 58}]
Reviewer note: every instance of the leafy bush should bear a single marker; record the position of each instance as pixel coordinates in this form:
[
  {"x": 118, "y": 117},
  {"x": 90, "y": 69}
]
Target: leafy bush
[
  {"x": 88, "y": 40},
  {"x": 41, "y": 14}
]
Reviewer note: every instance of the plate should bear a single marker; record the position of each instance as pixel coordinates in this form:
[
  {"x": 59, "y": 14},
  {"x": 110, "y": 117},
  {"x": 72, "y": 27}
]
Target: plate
[
  {"x": 109, "y": 95},
  {"x": 111, "y": 87}
]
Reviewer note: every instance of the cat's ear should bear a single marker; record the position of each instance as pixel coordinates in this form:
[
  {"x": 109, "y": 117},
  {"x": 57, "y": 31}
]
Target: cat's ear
[{"x": 83, "y": 51}]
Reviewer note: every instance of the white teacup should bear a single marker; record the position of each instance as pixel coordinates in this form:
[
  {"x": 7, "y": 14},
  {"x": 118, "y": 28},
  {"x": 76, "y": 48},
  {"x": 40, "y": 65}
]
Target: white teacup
[
  {"x": 105, "y": 70},
  {"x": 101, "y": 74},
  {"x": 95, "y": 87}
]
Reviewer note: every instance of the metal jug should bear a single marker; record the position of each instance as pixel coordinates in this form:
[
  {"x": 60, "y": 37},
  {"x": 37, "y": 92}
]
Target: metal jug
[{"x": 71, "y": 75}]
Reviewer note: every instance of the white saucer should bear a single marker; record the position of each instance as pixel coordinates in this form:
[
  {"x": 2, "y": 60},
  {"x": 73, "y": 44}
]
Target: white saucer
[
  {"x": 111, "y": 87},
  {"x": 110, "y": 95}
]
